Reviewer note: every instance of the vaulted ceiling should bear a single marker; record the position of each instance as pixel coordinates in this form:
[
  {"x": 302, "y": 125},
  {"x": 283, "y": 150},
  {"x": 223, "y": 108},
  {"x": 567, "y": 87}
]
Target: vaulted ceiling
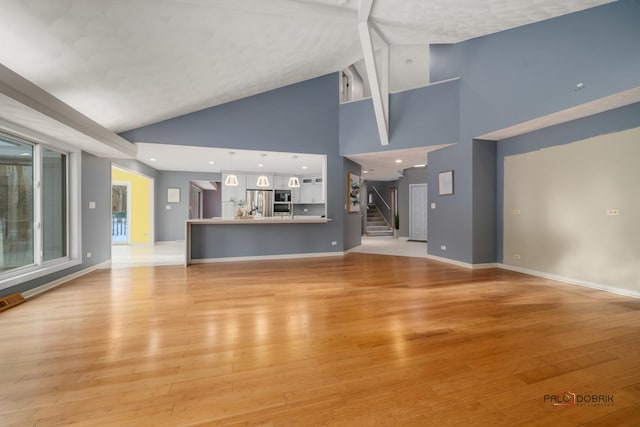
[{"x": 128, "y": 63}]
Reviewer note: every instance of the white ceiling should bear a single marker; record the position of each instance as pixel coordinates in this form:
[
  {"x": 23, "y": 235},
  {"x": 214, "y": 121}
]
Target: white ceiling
[
  {"x": 197, "y": 159},
  {"x": 383, "y": 166},
  {"x": 128, "y": 63}
]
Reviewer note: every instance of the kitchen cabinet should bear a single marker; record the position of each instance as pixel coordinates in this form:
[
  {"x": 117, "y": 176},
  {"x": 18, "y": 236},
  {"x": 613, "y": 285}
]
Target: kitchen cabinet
[
  {"x": 295, "y": 195},
  {"x": 281, "y": 182},
  {"x": 230, "y": 194},
  {"x": 310, "y": 189}
]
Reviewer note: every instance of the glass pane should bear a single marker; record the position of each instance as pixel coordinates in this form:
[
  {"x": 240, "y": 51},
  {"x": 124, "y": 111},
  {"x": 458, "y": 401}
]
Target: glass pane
[
  {"x": 16, "y": 205},
  {"x": 54, "y": 205},
  {"x": 119, "y": 214}
]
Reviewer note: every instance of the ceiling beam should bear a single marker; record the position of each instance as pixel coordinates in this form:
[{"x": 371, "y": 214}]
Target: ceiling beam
[
  {"x": 379, "y": 86},
  {"x": 20, "y": 89}
]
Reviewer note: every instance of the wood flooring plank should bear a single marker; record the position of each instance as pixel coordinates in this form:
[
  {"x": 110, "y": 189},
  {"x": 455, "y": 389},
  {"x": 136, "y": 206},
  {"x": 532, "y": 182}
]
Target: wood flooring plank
[{"x": 338, "y": 341}]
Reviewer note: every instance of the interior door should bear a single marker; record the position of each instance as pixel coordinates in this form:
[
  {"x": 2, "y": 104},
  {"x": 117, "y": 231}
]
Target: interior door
[{"x": 418, "y": 209}]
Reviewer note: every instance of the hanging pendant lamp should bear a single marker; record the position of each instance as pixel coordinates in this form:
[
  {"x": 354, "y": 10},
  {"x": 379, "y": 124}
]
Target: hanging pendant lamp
[
  {"x": 263, "y": 181},
  {"x": 231, "y": 180},
  {"x": 294, "y": 182}
]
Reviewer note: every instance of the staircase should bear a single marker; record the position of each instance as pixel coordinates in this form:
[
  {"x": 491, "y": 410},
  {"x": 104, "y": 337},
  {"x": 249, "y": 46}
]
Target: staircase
[{"x": 376, "y": 224}]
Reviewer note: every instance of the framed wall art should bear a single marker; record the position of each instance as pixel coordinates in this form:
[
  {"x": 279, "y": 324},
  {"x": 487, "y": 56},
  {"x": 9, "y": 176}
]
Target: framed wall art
[
  {"x": 173, "y": 195},
  {"x": 353, "y": 193},
  {"x": 445, "y": 183}
]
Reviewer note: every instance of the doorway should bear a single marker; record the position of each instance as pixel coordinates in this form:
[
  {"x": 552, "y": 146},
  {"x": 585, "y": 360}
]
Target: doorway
[
  {"x": 418, "y": 210},
  {"x": 195, "y": 202},
  {"x": 132, "y": 207},
  {"x": 205, "y": 199},
  {"x": 120, "y": 213}
]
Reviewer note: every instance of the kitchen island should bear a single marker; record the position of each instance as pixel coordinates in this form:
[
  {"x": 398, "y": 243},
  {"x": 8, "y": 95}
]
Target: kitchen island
[{"x": 224, "y": 239}]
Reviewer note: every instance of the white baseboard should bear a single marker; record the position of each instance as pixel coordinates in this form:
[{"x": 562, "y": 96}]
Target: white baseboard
[
  {"x": 266, "y": 257},
  {"x": 571, "y": 281},
  {"x": 354, "y": 249},
  {"x": 55, "y": 283},
  {"x": 463, "y": 264}
]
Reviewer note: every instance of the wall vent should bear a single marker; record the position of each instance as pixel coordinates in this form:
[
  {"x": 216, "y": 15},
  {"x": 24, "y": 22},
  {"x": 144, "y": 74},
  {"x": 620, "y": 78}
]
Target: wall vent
[{"x": 10, "y": 301}]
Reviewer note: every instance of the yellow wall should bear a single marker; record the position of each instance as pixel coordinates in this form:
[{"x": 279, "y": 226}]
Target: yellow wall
[{"x": 139, "y": 204}]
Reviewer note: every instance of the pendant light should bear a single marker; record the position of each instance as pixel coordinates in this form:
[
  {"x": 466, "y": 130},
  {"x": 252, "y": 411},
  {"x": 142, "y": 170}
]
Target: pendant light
[
  {"x": 231, "y": 180},
  {"x": 263, "y": 181},
  {"x": 294, "y": 182}
]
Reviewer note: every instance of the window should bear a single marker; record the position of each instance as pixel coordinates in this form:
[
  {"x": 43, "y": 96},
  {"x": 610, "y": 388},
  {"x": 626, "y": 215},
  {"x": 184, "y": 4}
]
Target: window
[
  {"x": 16, "y": 208},
  {"x": 36, "y": 235},
  {"x": 54, "y": 205}
]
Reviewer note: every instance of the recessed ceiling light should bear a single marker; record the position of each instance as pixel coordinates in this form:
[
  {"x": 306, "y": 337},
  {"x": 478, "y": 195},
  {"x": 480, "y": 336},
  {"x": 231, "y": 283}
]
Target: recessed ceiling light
[
  {"x": 260, "y": 165},
  {"x": 211, "y": 162},
  {"x": 304, "y": 167},
  {"x": 419, "y": 166},
  {"x": 153, "y": 159},
  {"x": 365, "y": 171},
  {"x": 25, "y": 154},
  {"x": 398, "y": 161}
]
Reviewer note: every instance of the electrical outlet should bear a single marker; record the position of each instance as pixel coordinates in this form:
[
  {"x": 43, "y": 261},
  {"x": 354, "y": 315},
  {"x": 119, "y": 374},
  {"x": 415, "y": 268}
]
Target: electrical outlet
[
  {"x": 516, "y": 256},
  {"x": 443, "y": 248},
  {"x": 168, "y": 207},
  {"x": 92, "y": 205},
  {"x": 613, "y": 212},
  {"x": 433, "y": 205},
  {"x": 305, "y": 210},
  {"x": 516, "y": 211},
  {"x": 88, "y": 254},
  {"x": 334, "y": 243}
]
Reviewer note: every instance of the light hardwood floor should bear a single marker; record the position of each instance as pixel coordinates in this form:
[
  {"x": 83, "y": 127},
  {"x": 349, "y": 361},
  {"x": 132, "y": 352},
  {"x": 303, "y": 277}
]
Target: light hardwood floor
[{"x": 360, "y": 340}]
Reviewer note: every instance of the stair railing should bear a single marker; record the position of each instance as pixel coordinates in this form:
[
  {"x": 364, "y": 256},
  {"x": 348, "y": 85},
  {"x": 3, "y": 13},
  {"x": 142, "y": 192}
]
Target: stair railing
[{"x": 381, "y": 198}]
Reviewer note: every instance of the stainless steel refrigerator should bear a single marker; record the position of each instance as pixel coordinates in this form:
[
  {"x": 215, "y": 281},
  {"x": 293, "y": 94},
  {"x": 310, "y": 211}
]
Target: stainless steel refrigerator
[{"x": 260, "y": 202}]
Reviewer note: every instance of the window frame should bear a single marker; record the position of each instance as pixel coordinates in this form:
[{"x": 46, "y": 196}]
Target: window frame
[{"x": 40, "y": 268}]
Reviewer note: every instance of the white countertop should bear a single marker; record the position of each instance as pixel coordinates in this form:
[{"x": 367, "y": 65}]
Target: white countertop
[{"x": 265, "y": 220}]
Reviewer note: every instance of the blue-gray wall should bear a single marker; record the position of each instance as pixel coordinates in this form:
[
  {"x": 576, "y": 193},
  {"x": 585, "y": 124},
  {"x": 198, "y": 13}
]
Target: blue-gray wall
[
  {"x": 170, "y": 222},
  {"x": 484, "y": 201},
  {"x": 515, "y": 76},
  {"x": 299, "y": 118},
  {"x": 352, "y": 230},
  {"x": 420, "y": 117}
]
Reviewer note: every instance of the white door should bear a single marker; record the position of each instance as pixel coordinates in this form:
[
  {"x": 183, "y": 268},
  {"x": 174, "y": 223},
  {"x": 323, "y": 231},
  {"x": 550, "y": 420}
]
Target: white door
[{"x": 418, "y": 208}]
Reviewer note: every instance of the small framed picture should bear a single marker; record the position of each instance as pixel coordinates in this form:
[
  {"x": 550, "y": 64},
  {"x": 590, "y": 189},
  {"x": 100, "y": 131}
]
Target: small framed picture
[
  {"x": 445, "y": 183},
  {"x": 173, "y": 195}
]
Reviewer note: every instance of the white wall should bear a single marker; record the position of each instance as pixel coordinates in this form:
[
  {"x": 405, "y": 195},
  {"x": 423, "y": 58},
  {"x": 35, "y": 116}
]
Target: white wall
[{"x": 563, "y": 194}]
